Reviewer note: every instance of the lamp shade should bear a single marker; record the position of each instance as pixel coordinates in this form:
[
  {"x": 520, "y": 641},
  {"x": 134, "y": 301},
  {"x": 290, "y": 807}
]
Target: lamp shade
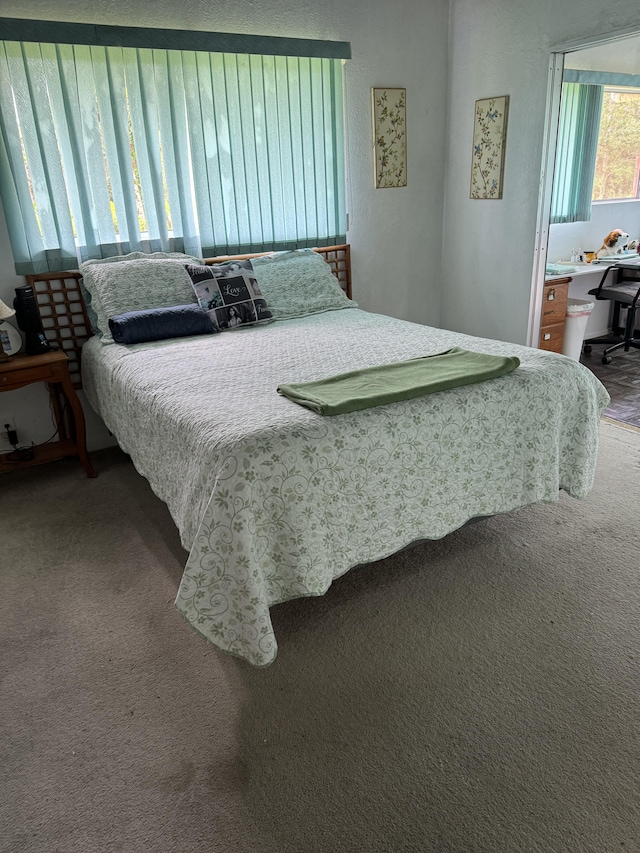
[{"x": 5, "y": 311}]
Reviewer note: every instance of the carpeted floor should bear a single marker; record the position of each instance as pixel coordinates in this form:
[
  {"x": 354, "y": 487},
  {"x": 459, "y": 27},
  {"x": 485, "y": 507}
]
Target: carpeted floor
[
  {"x": 622, "y": 381},
  {"x": 479, "y": 694}
]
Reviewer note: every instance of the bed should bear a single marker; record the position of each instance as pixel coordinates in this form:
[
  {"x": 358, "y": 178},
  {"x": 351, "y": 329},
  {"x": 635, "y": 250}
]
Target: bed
[{"x": 273, "y": 501}]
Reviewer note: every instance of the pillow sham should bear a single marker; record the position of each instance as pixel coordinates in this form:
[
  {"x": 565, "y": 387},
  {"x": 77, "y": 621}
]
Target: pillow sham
[
  {"x": 229, "y": 293},
  {"x": 91, "y": 314},
  {"x": 135, "y": 282},
  {"x": 298, "y": 283},
  {"x": 160, "y": 324}
]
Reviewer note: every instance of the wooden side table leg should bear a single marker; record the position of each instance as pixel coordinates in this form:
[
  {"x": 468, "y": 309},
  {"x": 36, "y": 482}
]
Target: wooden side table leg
[{"x": 79, "y": 426}]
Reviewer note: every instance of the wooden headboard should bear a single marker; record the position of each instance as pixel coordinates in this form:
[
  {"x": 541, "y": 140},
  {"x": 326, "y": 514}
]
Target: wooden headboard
[{"x": 64, "y": 315}]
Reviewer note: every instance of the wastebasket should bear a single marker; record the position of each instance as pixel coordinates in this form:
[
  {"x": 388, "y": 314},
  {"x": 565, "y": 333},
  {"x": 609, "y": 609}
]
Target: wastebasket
[{"x": 578, "y": 313}]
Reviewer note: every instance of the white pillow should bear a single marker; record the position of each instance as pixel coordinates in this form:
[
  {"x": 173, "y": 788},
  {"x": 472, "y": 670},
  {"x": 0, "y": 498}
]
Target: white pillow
[
  {"x": 135, "y": 282},
  {"x": 298, "y": 283}
]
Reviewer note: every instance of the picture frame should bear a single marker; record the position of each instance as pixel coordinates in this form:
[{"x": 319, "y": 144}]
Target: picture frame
[
  {"x": 388, "y": 108},
  {"x": 489, "y": 141}
]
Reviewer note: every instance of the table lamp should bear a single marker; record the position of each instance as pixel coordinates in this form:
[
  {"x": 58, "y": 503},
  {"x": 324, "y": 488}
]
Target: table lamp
[{"x": 5, "y": 313}]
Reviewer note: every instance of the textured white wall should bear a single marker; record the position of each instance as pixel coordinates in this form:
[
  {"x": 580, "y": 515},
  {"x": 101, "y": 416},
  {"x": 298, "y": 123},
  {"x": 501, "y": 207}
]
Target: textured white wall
[
  {"x": 501, "y": 47},
  {"x": 395, "y": 234}
]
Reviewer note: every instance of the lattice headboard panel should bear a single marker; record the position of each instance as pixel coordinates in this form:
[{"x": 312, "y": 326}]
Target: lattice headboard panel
[
  {"x": 64, "y": 315},
  {"x": 339, "y": 257}
]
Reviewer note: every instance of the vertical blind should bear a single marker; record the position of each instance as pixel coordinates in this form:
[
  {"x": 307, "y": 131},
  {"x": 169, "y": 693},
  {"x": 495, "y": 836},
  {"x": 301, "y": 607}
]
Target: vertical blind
[
  {"x": 576, "y": 150},
  {"x": 109, "y": 150}
]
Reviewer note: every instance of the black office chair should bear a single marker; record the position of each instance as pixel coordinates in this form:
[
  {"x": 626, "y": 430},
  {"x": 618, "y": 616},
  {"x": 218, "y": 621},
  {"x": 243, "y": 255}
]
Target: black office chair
[{"x": 624, "y": 291}]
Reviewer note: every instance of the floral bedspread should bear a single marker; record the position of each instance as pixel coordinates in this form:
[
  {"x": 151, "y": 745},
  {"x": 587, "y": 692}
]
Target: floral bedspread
[{"x": 273, "y": 501}]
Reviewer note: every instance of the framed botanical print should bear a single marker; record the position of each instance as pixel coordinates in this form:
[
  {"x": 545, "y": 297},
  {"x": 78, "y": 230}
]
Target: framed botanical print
[
  {"x": 489, "y": 136},
  {"x": 390, "y": 137}
]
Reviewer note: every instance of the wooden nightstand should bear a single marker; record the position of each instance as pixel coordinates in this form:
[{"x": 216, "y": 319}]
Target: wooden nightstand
[{"x": 52, "y": 368}]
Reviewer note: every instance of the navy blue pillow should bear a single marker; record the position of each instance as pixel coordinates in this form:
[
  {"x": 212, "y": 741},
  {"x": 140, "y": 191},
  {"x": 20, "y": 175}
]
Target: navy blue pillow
[{"x": 159, "y": 324}]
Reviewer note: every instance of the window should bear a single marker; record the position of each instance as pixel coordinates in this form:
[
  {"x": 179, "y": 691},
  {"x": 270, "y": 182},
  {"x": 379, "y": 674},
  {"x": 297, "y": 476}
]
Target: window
[
  {"x": 106, "y": 150},
  {"x": 576, "y": 149},
  {"x": 617, "y": 170},
  {"x": 598, "y": 149}
]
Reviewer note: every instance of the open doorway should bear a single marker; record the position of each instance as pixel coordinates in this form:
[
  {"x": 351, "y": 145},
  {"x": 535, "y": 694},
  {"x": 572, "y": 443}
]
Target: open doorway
[{"x": 613, "y": 64}]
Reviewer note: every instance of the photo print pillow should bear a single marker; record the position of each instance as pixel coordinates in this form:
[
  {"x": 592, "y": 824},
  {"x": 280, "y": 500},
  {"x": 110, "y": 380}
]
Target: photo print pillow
[{"x": 229, "y": 293}]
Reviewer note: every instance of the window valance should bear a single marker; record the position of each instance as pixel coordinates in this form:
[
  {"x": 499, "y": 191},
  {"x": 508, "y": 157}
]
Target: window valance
[
  {"x": 64, "y": 32},
  {"x": 601, "y": 78}
]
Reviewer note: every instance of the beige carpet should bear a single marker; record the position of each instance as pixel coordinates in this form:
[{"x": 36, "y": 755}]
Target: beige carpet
[{"x": 480, "y": 693}]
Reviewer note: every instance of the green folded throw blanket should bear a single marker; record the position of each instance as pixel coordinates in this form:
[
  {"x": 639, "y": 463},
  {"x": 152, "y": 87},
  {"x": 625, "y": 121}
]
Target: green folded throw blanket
[{"x": 401, "y": 380}]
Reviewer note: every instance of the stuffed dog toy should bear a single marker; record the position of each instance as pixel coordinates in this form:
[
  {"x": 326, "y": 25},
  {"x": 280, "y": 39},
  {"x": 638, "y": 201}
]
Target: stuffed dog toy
[{"x": 614, "y": 244}]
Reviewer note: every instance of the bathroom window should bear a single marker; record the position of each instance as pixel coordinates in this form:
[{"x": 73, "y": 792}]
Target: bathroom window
[{"x": 617, "y": 172}]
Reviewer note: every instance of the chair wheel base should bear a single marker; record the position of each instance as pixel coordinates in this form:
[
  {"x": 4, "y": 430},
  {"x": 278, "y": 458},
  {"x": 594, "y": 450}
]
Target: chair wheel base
[
  {"x": 607, "y": 359},
  {"x": 586, "y": 349}
]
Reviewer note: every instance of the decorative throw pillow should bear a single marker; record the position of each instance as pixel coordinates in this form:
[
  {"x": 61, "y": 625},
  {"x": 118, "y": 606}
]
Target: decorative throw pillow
[
  {"x": 229, "y": 293},
  {"x": 159, "y": 324},
  {"x": 135, "y": 282},
  {"x": 298, "y": 283}
]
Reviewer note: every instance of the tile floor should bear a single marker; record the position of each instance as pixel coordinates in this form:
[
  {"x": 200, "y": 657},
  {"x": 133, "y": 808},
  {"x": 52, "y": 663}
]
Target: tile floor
[{"x": 621, "y": 378}]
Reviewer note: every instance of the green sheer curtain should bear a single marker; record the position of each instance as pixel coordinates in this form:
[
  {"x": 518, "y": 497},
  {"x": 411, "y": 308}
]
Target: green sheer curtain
[
  {"x": 108, "y": 150},
  {"x": 580, "y": 110}
]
